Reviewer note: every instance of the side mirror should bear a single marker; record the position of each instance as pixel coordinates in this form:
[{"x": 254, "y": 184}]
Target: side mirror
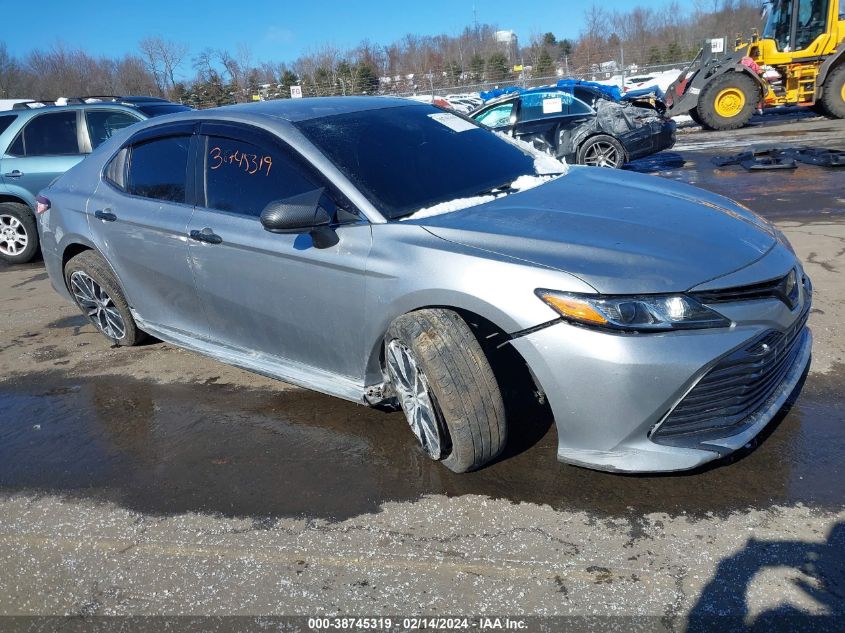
[{"x": 297, "y": 214}]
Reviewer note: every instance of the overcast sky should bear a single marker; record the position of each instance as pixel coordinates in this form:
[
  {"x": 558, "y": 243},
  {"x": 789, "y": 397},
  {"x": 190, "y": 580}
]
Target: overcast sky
[{"x": 277, "y": 30}]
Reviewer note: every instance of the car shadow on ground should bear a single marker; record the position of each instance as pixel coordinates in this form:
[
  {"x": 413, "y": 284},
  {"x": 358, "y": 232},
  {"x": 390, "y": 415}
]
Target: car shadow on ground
[
  {"x": 817, "y": 574},
  {"x": 656, "y": 163}
]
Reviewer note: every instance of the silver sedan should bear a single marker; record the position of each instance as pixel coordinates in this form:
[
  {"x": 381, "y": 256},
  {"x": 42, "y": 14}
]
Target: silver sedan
[{"x": 391, "y": 253}]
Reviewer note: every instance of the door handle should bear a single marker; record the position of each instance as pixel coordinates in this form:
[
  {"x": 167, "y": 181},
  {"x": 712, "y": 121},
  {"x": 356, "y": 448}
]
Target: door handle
[
  {"x": 206, "y": 235},
  {"x": 105, "y": 215},
  {"x": 15, "y": 173}
]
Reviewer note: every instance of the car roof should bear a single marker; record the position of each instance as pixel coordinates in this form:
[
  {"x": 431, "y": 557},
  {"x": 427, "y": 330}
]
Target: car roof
[
  {"x": 96, "y": 105},
  {"x": 311, "y": 107}
]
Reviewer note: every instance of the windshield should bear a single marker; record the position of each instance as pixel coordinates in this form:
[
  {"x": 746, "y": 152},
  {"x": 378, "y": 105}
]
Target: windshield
[
  {"x": 778, "y": 23},
  {"x": 410, "y": 157}
]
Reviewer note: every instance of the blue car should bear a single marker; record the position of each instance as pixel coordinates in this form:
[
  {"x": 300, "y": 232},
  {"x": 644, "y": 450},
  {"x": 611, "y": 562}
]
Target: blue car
[{"x": 40, "y": 142}]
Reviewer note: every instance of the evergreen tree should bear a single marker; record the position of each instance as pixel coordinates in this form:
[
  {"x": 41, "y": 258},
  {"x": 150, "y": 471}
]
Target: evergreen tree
[
  {"x": 545, "y": 65},
  {"x": 498, "y": 67}
]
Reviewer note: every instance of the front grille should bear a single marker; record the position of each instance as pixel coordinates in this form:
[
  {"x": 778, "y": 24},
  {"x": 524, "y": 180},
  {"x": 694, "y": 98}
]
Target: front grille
[
  {"x": 784, "y": 288},
  {"x": 735, "y": 388}
]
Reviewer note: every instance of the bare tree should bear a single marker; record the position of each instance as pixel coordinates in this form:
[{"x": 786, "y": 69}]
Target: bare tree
[{"x": 163, "y": 58}]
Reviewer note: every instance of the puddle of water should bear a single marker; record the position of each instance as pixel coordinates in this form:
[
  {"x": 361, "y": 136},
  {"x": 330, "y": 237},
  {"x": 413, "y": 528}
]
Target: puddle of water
[
  {"x": 208, "y": 448},
  {"x": 801, "y": 193}
]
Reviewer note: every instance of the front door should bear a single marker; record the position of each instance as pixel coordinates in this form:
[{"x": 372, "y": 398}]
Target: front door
[{"x": 272, "y": 294}]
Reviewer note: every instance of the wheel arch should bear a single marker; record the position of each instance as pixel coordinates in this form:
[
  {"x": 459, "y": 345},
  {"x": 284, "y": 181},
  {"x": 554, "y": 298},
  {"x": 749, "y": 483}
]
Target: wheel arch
[
  {"x": 486, "y": 326},
  {"x": 8, "y": 197},
  {"x": 72, "y": 246},
  {"x": 828, "y": 66}
]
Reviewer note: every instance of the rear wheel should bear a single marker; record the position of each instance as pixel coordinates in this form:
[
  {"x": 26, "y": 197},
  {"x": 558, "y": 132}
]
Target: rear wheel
[
  {"x": 601, "y": 151},
  {"x": 446, "y": 388},
  {"x": 833, "y": 99},
  {"x": 98, "y": 295},
  {"x": 18, "y": 233},
  {"x": 728, "y": 102}
]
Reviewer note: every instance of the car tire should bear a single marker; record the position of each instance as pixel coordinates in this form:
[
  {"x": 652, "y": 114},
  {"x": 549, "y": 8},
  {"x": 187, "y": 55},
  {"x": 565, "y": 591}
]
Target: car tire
[
  {"x": 95, "y": 290},
  {"x": 728, "y": 102},
  {"x": 833, "y": 97},
  {"x": 601, "y": 151},
  {"x": 446, "y": 388},
  {"x": 18, "y": 233}
]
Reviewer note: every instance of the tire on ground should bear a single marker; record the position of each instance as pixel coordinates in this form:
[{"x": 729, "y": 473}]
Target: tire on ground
[
  {"x": 739, "y": 82},
  {"x": 462, "y": 386},
  {"x": 24, "y": 215},
  {"x": 605, "y": 139},
  {"x": 695, "y": 116},
  {"x": 93, "y": 265},
  {"x": 833, "y": 96}
]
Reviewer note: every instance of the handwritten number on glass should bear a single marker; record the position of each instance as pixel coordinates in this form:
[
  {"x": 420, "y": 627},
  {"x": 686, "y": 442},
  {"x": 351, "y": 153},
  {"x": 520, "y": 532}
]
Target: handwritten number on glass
[{"x": 250, "y": 163}]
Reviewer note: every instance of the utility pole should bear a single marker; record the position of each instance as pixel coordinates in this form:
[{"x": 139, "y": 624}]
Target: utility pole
[{"x": 622, "y": 56}]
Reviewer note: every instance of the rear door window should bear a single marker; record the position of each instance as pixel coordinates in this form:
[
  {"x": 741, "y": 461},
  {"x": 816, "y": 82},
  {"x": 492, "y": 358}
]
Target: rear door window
[
  {"x": 102, "y": 124},
  {"x": 53, "y": 134},
  {"x": 158, "y": 168},
  {"x": 244, "y": 178},
  {"x": 544, "y": 105}
]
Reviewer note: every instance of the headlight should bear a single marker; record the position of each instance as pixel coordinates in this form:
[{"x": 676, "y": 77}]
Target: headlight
[{"x": 638, "y": 313}]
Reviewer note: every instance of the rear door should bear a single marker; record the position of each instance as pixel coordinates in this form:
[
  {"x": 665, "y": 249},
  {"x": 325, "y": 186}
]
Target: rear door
[
  {"x": 47, "y": 146},
  {"x": 548, "y": 119},
  {"x": 139, "y": 217},
  {"x": 275, "y": 294}
]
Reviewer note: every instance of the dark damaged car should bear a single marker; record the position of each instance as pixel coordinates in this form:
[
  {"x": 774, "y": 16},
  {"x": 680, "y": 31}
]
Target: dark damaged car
[{"x": 583, "y": 126}]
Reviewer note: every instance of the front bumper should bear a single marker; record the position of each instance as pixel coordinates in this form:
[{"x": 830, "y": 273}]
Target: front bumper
[{"x": 608, "y": 392}]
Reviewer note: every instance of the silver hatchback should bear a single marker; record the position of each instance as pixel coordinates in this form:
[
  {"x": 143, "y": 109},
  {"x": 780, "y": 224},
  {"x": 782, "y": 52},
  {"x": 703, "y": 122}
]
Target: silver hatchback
[{"x": 390, "y": 253}]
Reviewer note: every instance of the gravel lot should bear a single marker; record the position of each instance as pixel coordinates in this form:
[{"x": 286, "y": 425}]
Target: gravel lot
[{"x": 153, "y": 481}]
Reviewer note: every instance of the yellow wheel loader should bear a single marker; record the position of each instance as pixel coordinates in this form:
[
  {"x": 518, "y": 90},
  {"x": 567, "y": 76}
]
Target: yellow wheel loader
[{"x": 799, "y": 59}]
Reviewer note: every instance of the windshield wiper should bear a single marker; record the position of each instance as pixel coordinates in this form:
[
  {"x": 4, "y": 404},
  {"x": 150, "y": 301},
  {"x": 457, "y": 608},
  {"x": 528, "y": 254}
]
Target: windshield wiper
[{"x": 505, "y": 188}]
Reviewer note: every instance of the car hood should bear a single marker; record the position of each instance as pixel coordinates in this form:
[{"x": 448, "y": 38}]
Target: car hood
[{"x": 618, "y": 231}]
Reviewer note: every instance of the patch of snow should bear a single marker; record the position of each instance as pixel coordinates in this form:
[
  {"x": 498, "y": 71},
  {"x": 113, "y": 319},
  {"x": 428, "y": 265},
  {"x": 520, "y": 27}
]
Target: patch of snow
[
  {"x": 449, "y": 206},
  {"x": 523, "y": 183},
  {"x": 544, "y": 164},
  {"x": 547, "y": 168}
]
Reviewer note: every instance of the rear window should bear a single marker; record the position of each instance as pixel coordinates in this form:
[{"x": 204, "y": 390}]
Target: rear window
[
  {"x": 410, "y": 157},
  {"x": 157, "y": 169}
]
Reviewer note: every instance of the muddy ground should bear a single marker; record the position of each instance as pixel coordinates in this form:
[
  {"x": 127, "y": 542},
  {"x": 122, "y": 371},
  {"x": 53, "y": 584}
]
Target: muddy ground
[{"x": 153, "y": 481}]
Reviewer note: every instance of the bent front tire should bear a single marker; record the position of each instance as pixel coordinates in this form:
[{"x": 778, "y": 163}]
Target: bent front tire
[
  {"x": 98, "y": 295},
  {"x": 446, "y": 388},
  {"x": 18, "y": 233}
]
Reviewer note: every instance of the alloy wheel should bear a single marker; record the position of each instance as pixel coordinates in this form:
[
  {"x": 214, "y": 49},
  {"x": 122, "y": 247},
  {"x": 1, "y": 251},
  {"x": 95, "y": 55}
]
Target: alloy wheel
[
  {"x": 97, "y": 305},
  {"x": 412, "y": 390},
  {"x": 13, "y": 237},
  {"x": 601, "y": 154}
]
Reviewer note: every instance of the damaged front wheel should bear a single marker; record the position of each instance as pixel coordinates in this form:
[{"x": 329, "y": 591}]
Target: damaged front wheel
[{"x": 446, "y": 387}]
